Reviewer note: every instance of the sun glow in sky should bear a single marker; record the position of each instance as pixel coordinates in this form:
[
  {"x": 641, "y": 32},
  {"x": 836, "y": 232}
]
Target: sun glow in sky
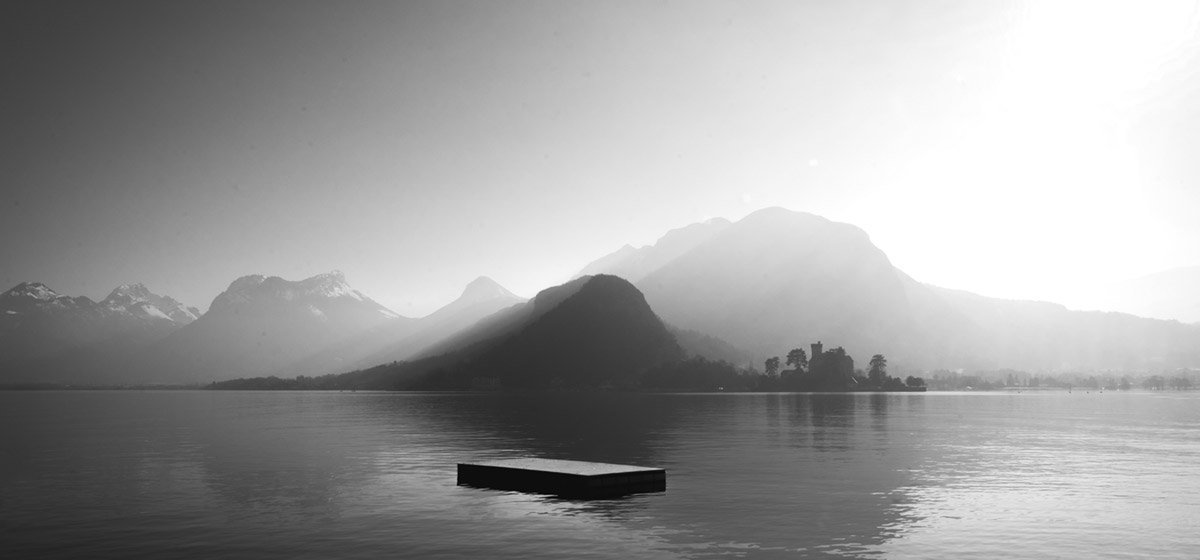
[
  {"x": 1023, "y": 150},
  {"x": 1038, "y": 180}
]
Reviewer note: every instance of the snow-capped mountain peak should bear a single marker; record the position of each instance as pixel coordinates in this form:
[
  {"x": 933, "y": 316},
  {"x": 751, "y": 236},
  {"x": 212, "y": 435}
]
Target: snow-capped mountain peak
[
  {"x": 138, "y": 300},
  {"x": 329, "y": 288},
  {"x": 32, "y": 290},
  {"x": 29, "y": 296},
  {"x": 40, "y": 327},
  {"x": 331, "y": 284},
  {"x": 129, "y": 293}
]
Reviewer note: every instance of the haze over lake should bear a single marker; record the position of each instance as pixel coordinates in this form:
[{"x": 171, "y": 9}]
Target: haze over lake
[
  {"x": 368, "y": 475},
  {"x": 1019, "y": 150},
  {"x": 736, "y": 240}
]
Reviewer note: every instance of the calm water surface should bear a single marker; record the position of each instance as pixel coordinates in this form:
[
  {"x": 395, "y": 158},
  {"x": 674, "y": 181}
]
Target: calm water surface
[{"x": 368, "y": 475}]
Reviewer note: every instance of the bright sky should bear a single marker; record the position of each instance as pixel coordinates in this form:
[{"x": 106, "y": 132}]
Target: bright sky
[{"x": 1019, "y": 150}]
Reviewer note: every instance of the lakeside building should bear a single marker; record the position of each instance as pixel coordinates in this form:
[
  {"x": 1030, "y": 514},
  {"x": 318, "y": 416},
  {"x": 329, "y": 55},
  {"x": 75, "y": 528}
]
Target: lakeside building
[{"x": 831, "y": 369}]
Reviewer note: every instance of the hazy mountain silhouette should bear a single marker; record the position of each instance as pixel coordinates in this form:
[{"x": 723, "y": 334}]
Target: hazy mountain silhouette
[
  {"x": 1033, "y": 335},
  {"x": 261, "y": 325},
  {"x": 481, "y": 298},
  {"x": 400, "y": 340},
  {"x": 634, "y": 264},
  {"x": 506, "y": 321},
  {"x": 45, "y": 336},
  {"x": 1171, "y": 294},
  {"x": 258, "y": 326},
  {"x": 741, "y": 292},
  {"x": 696, "y": 343},
  {"x": 778, "y": 279},
  {"x": 593, "y": 331}
]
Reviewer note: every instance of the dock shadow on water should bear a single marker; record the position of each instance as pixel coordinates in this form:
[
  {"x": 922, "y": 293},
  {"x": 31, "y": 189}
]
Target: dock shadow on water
[{"x": 275, "y": 475}]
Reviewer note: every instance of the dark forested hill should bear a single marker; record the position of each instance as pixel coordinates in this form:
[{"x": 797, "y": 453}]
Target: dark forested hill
[{"x": 592, "y": 332}]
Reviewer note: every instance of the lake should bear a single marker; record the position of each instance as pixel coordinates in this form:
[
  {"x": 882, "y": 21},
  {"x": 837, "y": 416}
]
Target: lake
[{"x": 200, "y": 474}]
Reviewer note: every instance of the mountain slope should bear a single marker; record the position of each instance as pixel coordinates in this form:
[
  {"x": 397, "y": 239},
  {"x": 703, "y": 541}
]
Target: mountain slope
[
  {"x": 1170, "y": 294},
  {"x": 400, "y": 340},
  {"x": 481, "y": 298},
  {"x": 506, "y": 321},
  {"x": 1031, "y": 335},
  {"x": 778, "y": 279},
  {"x": 634, "y": 264}
]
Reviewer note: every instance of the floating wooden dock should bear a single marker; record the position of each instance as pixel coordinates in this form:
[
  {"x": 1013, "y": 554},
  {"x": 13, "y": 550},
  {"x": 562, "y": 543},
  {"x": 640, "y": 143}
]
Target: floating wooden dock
[{"x": 574, "y": 479}]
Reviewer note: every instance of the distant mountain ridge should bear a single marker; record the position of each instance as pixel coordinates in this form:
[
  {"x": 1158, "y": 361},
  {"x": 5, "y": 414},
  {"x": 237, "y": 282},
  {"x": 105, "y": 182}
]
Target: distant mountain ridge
[
  {"x": 33, "y": 294},
  {"x": 1170, "y": 294},
  {"x": 259, "y": 325},
  {"x": 740, "y": 291},
  {"x": 634, "y": 264},
  {"x": 127, "y": 299},
  {"x": 404, "y": 340},
  {"x": 45, "y": 335},
  {"x": 262, "y": 325},
  {"x": 136, "y": 299},
  {"x": 256, "y": 289},
  {"x": 778, "y": 279}
]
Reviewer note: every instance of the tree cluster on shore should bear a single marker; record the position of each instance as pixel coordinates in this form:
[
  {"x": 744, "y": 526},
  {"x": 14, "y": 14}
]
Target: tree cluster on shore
[{"x": 833, "y": 370}]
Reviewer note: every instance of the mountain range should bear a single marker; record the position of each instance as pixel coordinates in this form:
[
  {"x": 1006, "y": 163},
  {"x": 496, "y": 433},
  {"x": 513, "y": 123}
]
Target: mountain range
[
  {"x": 261, "y": 325},
  {"x": 740, "y": 291},
  {"x": 257, "y": 326},
  {"x": 43, "y": 332}
]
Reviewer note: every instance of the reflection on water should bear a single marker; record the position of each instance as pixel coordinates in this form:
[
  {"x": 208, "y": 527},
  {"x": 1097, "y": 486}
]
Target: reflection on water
[
  {"x": 1112, "y": 476},
  {"x": 199, "y": 474}
]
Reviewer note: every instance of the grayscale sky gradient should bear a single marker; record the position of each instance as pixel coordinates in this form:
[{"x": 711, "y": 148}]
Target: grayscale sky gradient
[{"x": 1020, "y": 150}]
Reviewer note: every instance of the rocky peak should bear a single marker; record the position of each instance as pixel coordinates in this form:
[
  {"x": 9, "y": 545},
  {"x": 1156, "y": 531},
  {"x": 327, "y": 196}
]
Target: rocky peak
[{"x": 130, "y": 293}]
